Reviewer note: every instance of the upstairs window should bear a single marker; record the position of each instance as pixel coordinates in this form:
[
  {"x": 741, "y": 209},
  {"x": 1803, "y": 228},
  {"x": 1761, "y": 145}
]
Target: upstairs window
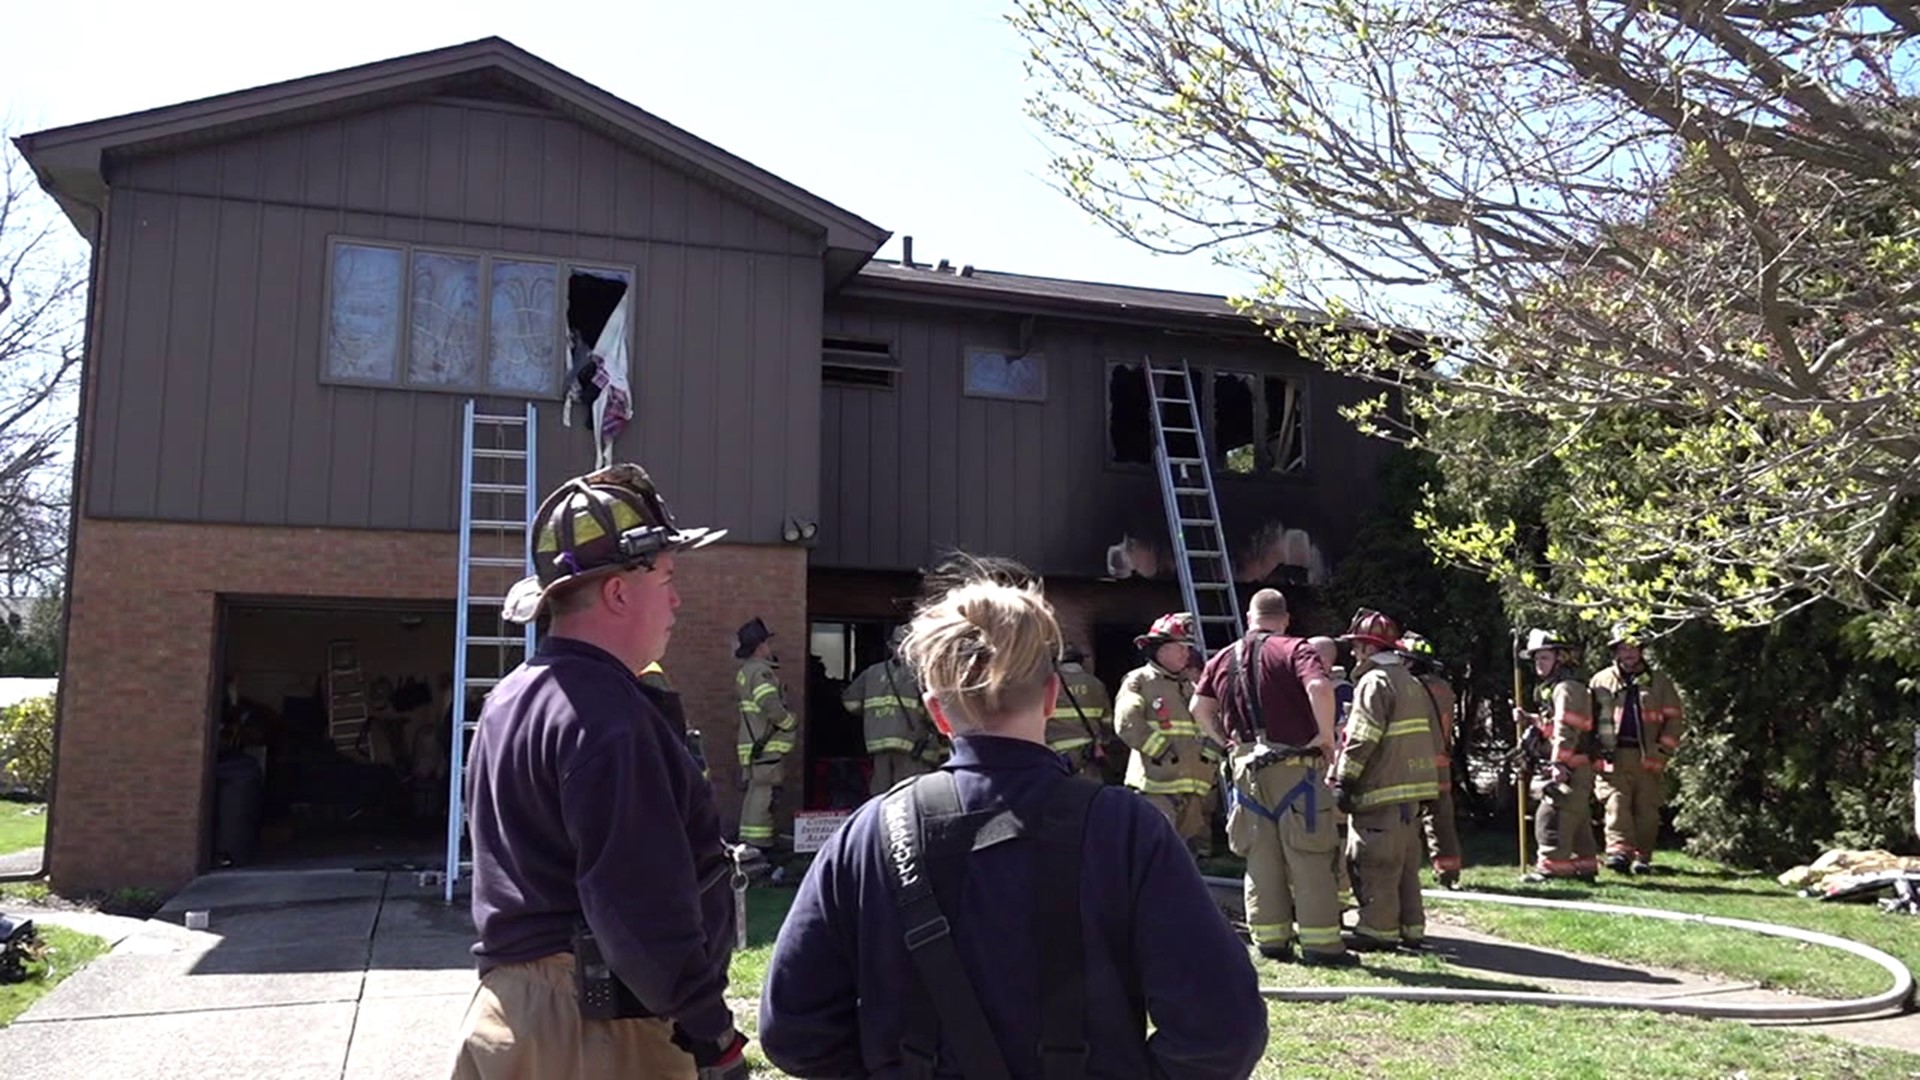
[
  {"x": 1258, "y": 424},
  {"x": 993, "y": 373},
  {"x": 424, "y": 318},
  {"x": 860, "y": 363}
]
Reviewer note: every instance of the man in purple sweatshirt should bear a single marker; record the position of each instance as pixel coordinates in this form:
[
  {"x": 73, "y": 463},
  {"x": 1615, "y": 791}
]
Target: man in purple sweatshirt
[{"x": 600, "y": 877}]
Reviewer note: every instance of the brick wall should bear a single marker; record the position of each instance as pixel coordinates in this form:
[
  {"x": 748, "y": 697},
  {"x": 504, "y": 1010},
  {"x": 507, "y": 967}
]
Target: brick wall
[{"x": 138, "y": 681}]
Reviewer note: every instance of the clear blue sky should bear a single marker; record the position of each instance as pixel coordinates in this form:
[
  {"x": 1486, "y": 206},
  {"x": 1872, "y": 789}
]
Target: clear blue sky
[{"x": 907, "y": 112}]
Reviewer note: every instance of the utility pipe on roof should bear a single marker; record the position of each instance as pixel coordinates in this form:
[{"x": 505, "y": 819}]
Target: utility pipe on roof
[{"x": 1897, "y": 998}]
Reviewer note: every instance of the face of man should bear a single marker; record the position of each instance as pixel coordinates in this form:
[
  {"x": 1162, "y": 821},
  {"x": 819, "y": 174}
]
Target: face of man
[
  {"x": 1173, "y": 656},
  {"x": 1628, "y": 656},
  {"x": 1543, "y": 660},
  {"x": 645, "y": 602}
]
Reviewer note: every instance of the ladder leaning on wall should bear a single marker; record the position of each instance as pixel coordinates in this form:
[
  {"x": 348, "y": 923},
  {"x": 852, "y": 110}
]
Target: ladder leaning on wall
[
  {"x": 498, "y": 496},
  {"x": 1193, "y": 513}
]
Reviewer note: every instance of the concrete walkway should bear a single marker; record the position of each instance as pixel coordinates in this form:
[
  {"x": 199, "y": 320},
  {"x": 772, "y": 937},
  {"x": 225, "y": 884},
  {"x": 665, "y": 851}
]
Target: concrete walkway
[
  {"x": 15, "y": 863},
  {"x": 300, "y": 976}
]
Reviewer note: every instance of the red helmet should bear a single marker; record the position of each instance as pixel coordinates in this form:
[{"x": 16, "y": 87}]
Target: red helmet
[
  {"x": 1373, "y": 628},
  {"x": 1175, "y": 628}
]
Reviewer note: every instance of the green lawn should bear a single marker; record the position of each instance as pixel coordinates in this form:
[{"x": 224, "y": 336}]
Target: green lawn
[
  {"x": 1360, "y": 1038},
  {"x": 22, "y": 825},
  {"x": 1693, "y": 885},
  {"x": 65, "y": 953}
]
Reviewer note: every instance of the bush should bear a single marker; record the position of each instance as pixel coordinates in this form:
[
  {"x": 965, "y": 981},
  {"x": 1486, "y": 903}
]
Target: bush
[{"x": 26, "y": 744}]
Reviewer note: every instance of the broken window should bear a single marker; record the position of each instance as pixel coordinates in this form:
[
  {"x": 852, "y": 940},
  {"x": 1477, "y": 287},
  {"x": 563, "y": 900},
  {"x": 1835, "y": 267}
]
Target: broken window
[
  {"x": 1129, "y": 419},
  {"x": 1286, "y": 428},
  {"x": 858, "y": 362},
  {"x": 1235, "y": 441}
]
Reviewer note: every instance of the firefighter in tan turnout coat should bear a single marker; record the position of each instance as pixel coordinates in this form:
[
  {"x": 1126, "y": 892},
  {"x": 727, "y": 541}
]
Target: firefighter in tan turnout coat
[
  {"x": 1636, "y": 713},
  {"x": 1171, "y": 765},
  {"x": 1078, "y": 726},
  {"x": 766, "y": 731},
  {"x": 1563, "y": 825},
  {"x": 1442, "y": 831},
  {"x": 1383, "y": 773},
  {"x": 899, "y": 735}
]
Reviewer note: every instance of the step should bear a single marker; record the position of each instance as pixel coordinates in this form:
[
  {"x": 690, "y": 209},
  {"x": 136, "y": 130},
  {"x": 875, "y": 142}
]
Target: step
[
  {"x": 481, "y": 639},
  {"x": 487, "y": 601},
  {"x": 482, "y": 681},
  {"x": 500, "y": 455},
  {"x": 509, "y": 561},
  {"x": 503, "y": 421},
  {"x": 1183, "y": 461},
  {"x": 499, "y": 489},
  {"x": 1217, "y": 585},
  {"x": 1197, "y": 554},
  {"x": 1189, "y": 523},
  {"x": 1180, "y": 430},
  {"x": 498, "y": 523},
  {"x": 1190, "y": 491}
]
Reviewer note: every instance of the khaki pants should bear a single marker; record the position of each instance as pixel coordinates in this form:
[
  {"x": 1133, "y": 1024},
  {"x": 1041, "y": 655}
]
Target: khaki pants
[
  {"x": 1383, "y": 857},
  {"x": 1291, "y": 858},
  {"x": 1188, "y": 813},
  {"x": 756, "y": 810},
  {"x": 890, "y": 767},
  {"x": 1564, "y": 829},
  {"x": 524, "y": 1023},
  {"x": 1443, "y": 833},
  {"x": 1631, "y": 795}
]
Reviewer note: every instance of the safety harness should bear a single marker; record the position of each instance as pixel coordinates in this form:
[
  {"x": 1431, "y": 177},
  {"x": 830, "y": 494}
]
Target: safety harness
[
  {"x": 926, "y": 838},
  {"x": 1253, "y": 728}
]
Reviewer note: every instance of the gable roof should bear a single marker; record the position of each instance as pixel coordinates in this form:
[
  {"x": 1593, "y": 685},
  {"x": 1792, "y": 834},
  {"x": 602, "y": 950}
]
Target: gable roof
[{"x": 71, "y": 161}]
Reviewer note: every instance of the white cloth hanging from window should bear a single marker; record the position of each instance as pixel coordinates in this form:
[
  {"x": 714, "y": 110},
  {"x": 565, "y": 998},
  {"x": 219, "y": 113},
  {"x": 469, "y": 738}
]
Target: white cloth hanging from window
[{"x": 613, "y": 401}]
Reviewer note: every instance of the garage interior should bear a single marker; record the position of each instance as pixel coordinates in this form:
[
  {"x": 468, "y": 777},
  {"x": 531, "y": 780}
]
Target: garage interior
[{"x": 330, "y": 742}]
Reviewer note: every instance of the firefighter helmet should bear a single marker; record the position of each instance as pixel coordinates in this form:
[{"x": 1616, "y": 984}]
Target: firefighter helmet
[
  {"x": 1538, "y": 639},
  {"x": 607, "y": 520},
  {"x": 1072, "y": 653},
  {"x": 1372, "y": 628},
  {"x": 1411, "y": 642},
  {"x": 1624, "y": 633},
  {"x": 748, "y": 638},
  {"x": 1174, "y": 628}
]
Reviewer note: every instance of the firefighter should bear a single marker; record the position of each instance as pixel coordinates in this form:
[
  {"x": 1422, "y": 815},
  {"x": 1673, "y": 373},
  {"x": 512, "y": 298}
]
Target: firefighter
[
  {"x": 1636, "y": 713},
  {"x": 1563, "y": 825},
  {"x": 656, "y": 676},
  {"x": 1329, "y": 651},
  {"x": 766, "y": 731},
  {"x": 1442, "y": 832},
  {"x": 1170, "y": 765},
  {"x": 1078, "y": 726},
  {"x": 1383, "y": 773},
  {"x": 886, "y": 698}
]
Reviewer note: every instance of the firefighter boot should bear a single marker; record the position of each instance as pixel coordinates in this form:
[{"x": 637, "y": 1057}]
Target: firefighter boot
[{"x": 1619, "y": 863}]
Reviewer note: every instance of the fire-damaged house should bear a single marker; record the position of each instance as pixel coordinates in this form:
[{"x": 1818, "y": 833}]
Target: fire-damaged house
[{"x": 342, "y": 327}]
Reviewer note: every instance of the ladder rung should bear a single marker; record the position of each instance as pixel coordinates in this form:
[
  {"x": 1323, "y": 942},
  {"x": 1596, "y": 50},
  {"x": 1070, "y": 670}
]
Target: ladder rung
[
  {"x": 1183, "y": 461},
  {"x": 500, "y": 455},
  {"x": 487, "y": 601},
  {"x": 509, "y": 421},
  {"x": 1187, "y": 522},
  {"x": 1180, "y": 430},
  {"x": 477, "y": 639},
  {"x": 499, "y": 489},
  {"x": 477, "y": 681},
  {"x": 513, "y": 561},
  {"x": 1189, "y": 491},
  {"x": 1197, "y": 554},
  {"x": 495, "y": 523},
  {"x": 1220, "y": 585}
]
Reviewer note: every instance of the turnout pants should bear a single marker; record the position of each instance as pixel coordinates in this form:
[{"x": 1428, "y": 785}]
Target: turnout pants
[
  {"x": 1188, "y": 813},
  {"x": 890, "y": 767},
  {"x": 1383, "y": 858},
  {"x": 523, "y": 1023},
  {"x": 1632, "y": 796},
  {"x": 756, "y": 810},
  {"x": 1564, "y": 828},
  {"x": 1281, "y": 820},
  {"x": 1442, "y": 833}
]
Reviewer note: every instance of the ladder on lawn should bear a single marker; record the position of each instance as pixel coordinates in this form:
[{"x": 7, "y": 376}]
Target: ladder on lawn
[
  {"x": 498, "y": 495},
  {"x": 1193, "y": 514}
]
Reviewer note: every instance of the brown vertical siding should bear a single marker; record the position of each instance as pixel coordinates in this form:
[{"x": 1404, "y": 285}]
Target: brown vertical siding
[
  {"x": 211, "y": 405},
  {"x": 911, "y": 471}
]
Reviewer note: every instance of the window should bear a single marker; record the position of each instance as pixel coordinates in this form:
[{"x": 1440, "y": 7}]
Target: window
[
  {"x": 858, "y": 362},
  {"x": 1129, "y": 416},
  {"x": 994, "y": 374},
  {"x": 1257, "y": 423},
  {"x": 426, "y": 318}
]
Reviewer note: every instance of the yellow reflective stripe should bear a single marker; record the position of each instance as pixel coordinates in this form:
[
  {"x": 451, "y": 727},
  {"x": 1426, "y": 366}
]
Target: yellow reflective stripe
[
  {"x": 1320, "y": 935},
  {"x": 1361, "y": 729},
  {"x": 885, "y": 702},
  {"x": 1376, "y": 935},
  {"x": 1398, "y": 793},
  {"x": 1413, "y": 931},
  {"x": 1155, "y": 745},
  {"x": 1176, "y": 787},
  {"x": 756, "y": 832},
  {"x": 763, "y": 690},
  {"x": 1270, "y": 933},
  {"x": 1409, "y": 727},
  {"x": 876, "y": 746},
  {"x": 1069, "y": 743},
  {"x": 1067, "y": 712}
]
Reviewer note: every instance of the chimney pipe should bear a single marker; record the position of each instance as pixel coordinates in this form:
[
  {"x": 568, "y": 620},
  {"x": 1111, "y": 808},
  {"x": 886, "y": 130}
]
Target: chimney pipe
[{"x": 906, "y": 252}]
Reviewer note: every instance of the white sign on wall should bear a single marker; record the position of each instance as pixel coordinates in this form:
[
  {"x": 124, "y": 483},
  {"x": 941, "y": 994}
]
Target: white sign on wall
[{"x": 813, "y": 828}]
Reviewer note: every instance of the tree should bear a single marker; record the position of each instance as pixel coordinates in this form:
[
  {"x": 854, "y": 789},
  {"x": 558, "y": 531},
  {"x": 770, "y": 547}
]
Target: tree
[
  {"x": 42, "y": 310},
  {"x": 1667, "y": 256}
]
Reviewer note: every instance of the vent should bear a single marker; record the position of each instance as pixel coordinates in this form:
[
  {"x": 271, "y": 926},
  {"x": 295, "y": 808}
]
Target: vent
[{"x": 867, "y": 363}]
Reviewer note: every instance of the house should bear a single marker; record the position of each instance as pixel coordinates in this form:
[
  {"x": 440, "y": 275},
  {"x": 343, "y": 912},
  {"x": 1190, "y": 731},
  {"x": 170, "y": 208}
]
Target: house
[{"x": 297, "y": 289}]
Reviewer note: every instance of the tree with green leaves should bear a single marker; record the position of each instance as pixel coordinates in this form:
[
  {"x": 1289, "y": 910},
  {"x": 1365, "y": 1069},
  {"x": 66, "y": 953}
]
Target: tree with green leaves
[{"x": 1665, "y": 262}]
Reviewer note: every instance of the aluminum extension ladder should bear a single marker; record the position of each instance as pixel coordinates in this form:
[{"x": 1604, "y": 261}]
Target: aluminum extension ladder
[
  {"x": 1193, "y": 514},
  {"x": 501, "y": 476}
]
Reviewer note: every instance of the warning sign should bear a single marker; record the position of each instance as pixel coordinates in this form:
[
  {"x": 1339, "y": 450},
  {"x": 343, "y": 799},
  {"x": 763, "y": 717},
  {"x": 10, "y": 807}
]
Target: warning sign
[{"x": 813, "y": 828}]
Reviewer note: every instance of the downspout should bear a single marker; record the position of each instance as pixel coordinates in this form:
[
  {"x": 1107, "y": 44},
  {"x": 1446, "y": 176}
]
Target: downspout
[{"x": 75, "y": 495}]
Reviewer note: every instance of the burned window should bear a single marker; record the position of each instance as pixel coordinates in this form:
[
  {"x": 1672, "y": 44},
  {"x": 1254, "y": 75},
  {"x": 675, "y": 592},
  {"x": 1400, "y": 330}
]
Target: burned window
[
  {"x": 1129, "y": 419},
  {"x": 858, "y": 362},
  {"x": 1235, "y": 440},
  {"x": 1286, "y": 425}
]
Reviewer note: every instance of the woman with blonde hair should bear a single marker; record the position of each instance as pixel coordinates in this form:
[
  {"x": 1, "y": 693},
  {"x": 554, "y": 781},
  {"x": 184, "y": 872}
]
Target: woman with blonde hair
[{"x": 1003, "y": 917}]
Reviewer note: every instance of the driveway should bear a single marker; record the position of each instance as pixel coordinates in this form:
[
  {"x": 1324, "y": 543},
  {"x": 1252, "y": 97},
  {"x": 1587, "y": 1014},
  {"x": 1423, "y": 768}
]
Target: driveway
[{"x": 318, "y": 974}]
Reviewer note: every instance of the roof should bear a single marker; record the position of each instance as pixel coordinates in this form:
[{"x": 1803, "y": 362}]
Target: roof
[
  {"x": 999, "y": 289},
  {"x": 70, "y": 161}
]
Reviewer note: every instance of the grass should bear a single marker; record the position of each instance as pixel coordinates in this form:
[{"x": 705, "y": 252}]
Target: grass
[
  {"x": 1692, "y": 885},
  {"x": 22, "y": 826},
  {"x": 1367, "y": 1038},
  {"x": 64, "y": 953}
]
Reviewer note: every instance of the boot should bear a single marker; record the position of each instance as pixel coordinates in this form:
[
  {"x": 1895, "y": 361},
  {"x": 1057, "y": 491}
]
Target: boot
[
  {"x": 1278, "y": 953},
  {"x": 1619, "y": 864},
  {"x": 1450, "y": 880},
  {"x": 1641, "y": 869},
  {"x": 1328, "y": 959}
]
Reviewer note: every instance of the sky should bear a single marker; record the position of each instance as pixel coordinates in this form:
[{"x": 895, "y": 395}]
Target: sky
[{"x": 906, "y": 112}]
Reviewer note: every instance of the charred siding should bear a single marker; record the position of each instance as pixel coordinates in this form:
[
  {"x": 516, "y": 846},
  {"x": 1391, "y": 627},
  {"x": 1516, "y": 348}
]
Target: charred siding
[
  {"x": 920, "y": 468},
  {"x": 210, "y": 402}
]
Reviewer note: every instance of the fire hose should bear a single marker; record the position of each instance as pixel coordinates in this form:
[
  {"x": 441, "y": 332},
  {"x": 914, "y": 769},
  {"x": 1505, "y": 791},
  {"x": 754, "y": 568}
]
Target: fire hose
[{"x": 1895, "y": 999}]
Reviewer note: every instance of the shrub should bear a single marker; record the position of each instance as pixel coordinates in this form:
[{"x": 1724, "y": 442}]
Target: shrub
[{"x": 26, "y": 744}]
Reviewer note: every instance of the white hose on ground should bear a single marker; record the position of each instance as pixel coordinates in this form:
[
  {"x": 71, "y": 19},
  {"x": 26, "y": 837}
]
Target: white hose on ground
[{"x": 1896, "y": 998}]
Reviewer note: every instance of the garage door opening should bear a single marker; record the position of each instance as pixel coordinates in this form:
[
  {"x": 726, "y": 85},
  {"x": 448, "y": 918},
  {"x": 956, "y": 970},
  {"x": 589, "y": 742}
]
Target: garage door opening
[{"x": 330, "y": 741}]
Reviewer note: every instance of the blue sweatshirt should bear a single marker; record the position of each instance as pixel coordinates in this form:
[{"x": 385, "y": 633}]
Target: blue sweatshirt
[
  {"x": 583, "y": 800},
  {"x": 1155, "y": 944}
]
